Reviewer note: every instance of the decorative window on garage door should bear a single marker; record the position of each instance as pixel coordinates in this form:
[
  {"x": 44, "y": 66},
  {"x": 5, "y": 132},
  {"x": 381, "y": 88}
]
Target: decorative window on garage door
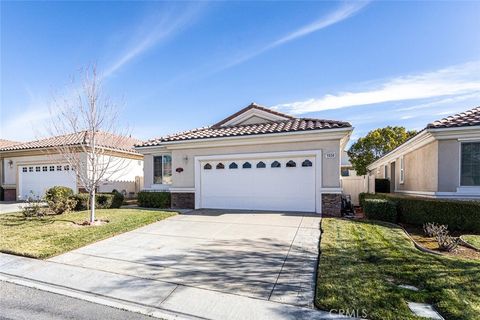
[
  {"x": 261, "y": 164},
  {"x": 220, "y": 166},
  {"x": 275, "y": 164},
  {"x": 233, "y": 165},
  {"x": 307, "y": 163},
  {"x": 247, "y": 165},
  {"x": 207, "y": 166},
  {"x": 291, "y": 164}
]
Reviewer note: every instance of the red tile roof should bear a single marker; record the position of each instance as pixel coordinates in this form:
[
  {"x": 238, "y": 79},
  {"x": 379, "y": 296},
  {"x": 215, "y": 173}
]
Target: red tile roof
[
  {"x": 6, "y": 143},
  {"x": 104, "y": 139},
  {"x": 465, "y": 119},
  {"x": 283, "y": 126}
]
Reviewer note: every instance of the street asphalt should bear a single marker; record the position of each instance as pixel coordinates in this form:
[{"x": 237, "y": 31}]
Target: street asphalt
[{"x": 19, "y": 302}]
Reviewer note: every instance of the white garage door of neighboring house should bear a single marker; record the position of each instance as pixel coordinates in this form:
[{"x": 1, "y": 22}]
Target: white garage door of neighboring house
[
  {"x": 286, "y": 183},
  {"x": 38, "y": 178}
]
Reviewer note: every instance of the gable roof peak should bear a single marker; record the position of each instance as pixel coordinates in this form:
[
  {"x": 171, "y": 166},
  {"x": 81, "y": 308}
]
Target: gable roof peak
[{"x": 256, "y": 106}]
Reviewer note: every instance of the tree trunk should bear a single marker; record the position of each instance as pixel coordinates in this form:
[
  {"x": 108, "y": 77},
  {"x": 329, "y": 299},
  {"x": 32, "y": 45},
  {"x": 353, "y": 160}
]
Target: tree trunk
[{"x": 92, "y": 206}]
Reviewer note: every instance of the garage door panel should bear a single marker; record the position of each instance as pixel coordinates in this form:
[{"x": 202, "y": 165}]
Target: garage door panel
[
  {"x": 284, "y": 188},
  {"x": 38, "y": 182}
]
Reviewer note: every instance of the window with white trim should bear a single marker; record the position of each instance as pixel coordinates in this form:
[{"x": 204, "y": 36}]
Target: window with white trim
[
  {"x": 470, "y": 164},
  {"x": 402, "y": 170},
  {"x": 162, "y": 169}
]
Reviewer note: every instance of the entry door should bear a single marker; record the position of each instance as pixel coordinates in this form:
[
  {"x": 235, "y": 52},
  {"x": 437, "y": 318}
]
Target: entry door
[{"x": 285, "y": 184}]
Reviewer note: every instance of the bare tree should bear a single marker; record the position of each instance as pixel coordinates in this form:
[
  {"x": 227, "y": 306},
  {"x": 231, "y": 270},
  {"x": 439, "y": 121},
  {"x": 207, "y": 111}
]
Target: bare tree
[{"x": 85, "y": 126}]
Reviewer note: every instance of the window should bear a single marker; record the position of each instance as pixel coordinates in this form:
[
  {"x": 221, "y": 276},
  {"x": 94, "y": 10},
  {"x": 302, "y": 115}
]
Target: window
[
  {"x": 345, "y": 172},
  {"x": 66, "y": 168},
  {"x": 291, "y": 164},
  {"x": 208, "y": 166},
  {"x": 385, "y": 173},
  {"x": 275, "y": 164},
  {"x": 37, "y": 169},
  {"x": 220, "y": 166},
  {"x": 307, "y": 163},
  {"x": 162, "y": 169},
  {"x": 44, "y": 168},
  {"x": 30, "y": 169},
  {"x": 470, "y": 164},
  {"x": 247, "y": 165},
  {"x": 52, "y": 168},
  {"x": 24, "y": 169},
  {"x": 261, "y": 164},
  {"x": 59, "y": 168},
  {"x": 233, "y": 165},
  {"x": 402, "y": 170}
]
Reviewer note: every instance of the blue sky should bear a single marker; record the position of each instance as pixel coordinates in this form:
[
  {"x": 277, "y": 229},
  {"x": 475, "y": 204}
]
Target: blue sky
[{"x": 181, "y": 65}]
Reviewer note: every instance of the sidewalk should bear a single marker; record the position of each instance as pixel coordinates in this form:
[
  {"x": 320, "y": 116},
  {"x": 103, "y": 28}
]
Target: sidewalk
[{"x": 152, "y": 297}]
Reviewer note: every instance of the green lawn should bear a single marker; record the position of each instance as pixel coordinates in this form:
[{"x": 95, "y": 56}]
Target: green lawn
[
  {"x": 52, "y": 235},
  {"x": 472, "y": 239},
  {"x": 361, "y": 263}
]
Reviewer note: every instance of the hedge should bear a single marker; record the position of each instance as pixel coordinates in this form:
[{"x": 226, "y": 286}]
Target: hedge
[
  {"x": 102, "y": 201},
  {"x": 380, "y": 209},
  {"x": 154, "y": 199},
  {"x": 458, "y": 215}
]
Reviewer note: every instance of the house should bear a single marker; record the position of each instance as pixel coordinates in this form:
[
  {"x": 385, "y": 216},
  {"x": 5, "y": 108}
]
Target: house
[
  {"x": 33, "y": 167},
  {"x": 441, "y": 161},
  {"x": 256, "y": 159},
  {"x": 4, "y": 143}
]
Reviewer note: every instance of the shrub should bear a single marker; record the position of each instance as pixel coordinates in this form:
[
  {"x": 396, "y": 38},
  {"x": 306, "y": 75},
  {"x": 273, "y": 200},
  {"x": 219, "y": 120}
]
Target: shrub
[
  {"x": 431, "y": 229},
  {"x": 59, "y": 199},
  {"x": 380, "y": 209},
  {"x": 447, "y": 242},
  {"x": 102, "y": 201},
  {"x": 117, "y": 199},
  {"x": 458, "y": 215},
  {"x": 382, "y": 185},
  {"x": 154, "y": 199},
  {"x": 33, "y": 207}
]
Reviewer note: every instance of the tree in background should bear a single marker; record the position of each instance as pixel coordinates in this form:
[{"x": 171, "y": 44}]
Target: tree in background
[{"x": 375, "y": 145}]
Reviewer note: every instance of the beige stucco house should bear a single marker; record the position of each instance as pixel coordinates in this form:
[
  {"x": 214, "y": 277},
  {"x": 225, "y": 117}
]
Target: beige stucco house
[
  {"x": 441, "y": 161},
  {"x": 30, "y": 168},
  {"x": 255, "y": 159}
]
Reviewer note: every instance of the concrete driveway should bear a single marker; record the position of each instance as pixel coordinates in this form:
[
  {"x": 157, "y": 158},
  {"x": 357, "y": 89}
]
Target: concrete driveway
[
  {"x": 11, "y": 206},
  {"x": 264, "y": 255}
]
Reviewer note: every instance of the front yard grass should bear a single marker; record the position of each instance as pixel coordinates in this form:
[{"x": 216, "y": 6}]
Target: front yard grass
[
  {"x": 472, "y": 239},
  {"x": 52, "y": 235},
  {"x": 362, "y": 262}
]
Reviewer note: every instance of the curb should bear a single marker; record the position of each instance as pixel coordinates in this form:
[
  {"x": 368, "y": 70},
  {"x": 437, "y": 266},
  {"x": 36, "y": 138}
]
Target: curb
[
  {"x": 468, "y": 245},
  {"x": 98, "y": 299}
]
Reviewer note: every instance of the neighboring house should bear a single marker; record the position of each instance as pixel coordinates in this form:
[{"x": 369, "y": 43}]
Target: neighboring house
[
  {"x": 35, "y": 166},
  {"x": 255, "y": 159},
  {"x": 346, "y": 166},
  {"x": 4, "y": 143},
  {"x": 441, "y": 161}
]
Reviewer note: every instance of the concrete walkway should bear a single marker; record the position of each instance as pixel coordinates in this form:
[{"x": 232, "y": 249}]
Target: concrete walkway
[
  {"x": 205, "y": 264},
  {"x": 11, "y": 206}
]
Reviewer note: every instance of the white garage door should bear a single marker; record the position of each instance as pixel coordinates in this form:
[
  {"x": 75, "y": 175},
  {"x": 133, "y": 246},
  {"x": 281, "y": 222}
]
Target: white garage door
[
  {"x": 38, "y": 178},
  {"x": 275, "y": 183}
]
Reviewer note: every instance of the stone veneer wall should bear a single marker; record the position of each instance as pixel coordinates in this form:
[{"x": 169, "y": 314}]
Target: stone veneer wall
[
  {"x": 10, "y": 194},
  {"x": 183, "y": 200},
  {"x": 332, "y": 204}
]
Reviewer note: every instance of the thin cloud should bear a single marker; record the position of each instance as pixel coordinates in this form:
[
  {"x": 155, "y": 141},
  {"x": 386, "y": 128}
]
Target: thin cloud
[
  {"x": 155, "y": 29},
  {"x": 345, "y": 11},
  {"x": 451, "y": 81}
]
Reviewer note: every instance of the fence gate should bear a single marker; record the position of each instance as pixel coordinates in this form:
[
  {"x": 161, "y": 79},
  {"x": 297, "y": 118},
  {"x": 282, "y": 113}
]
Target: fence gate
[{"x": 353, "y": 186}]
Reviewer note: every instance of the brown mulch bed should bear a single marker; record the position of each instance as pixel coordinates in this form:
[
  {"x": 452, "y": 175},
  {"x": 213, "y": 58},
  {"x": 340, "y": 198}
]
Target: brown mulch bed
[{"x": 430, "y": 243}]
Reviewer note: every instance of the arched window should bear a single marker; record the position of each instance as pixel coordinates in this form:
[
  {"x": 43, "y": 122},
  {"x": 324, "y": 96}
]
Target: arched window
[
  {"x": 275, "y": 164},
  {"x": 261, "y": 164},
  {"x": 233, "y": 165},
  {"x": 208, "y": 166},
  {"x": 291, "y": 164},
  {"x": 220, "y": 166},
  {"x": 247, "y": 165},
  {"x": 307, "y": 163}
]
